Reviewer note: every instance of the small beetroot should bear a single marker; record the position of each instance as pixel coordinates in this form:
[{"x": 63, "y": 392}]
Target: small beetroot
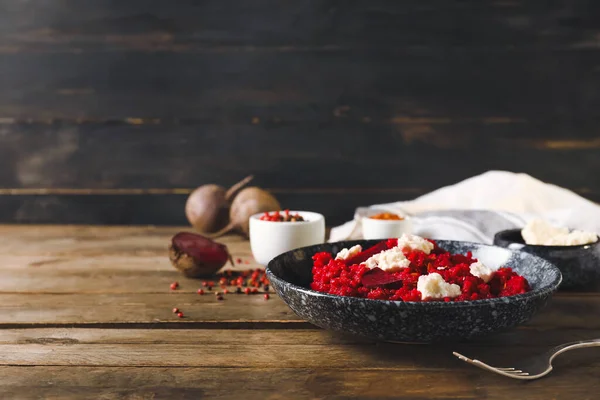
[{"x": 197, "y": 256}]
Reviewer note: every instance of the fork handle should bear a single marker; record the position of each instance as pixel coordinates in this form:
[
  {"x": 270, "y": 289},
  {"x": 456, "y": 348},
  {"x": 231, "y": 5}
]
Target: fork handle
[{"x": 574, "y": 345}]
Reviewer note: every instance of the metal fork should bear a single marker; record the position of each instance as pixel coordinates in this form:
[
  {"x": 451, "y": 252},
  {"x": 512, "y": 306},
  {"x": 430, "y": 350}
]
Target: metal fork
[{"x": 535, "y": 367}]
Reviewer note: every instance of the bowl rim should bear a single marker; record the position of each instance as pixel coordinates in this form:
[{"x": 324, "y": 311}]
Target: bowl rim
[
  {"x": 317, "y": 218},
  {"x": 552, "y": 287},
  {"x": 368, "y": 220},
  {"x": 498, "y": 235}
]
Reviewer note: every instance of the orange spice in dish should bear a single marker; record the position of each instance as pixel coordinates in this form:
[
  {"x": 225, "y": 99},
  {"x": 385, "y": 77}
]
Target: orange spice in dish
[{"x": 387, "y": 216}]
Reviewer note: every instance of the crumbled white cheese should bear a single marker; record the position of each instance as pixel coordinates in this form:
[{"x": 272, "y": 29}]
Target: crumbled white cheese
[
  {"x": 482, "y": 271},
  {"x": 433, "y": 286},
  {"x": 540, "y": 232},
  {"x": 576, "y": 238},
  {"x": 391, "y": 260},
  {"x": 345, "y": 254},
  {"x": 414, "y": 242}
]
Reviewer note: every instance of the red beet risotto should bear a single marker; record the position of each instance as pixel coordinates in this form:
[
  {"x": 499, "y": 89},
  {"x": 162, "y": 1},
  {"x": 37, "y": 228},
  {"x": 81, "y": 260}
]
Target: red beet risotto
[{"x": 411, "y": 269}]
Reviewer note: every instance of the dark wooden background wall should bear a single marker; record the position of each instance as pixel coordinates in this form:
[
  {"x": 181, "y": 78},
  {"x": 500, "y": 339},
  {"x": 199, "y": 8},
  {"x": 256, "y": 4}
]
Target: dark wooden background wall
[{"x": 111, "y": 111}]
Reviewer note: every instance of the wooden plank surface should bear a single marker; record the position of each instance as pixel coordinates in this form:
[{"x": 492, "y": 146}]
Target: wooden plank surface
[
  {"x": 87, "y": 312},
  {"x": 88, "y": 156},
  {"x": 263, "y": 364},
  {"x": 128, "y": 25},
  {"x": 151, "y": 310},
  {"x": 573, "y": 379},
  {"x": 120, "y": 276},
  {"x": 130, "y": 95}
]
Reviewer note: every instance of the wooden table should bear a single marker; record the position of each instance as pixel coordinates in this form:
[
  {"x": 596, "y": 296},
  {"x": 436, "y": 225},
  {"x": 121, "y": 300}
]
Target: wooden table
[{"x": 86, "y": 312}]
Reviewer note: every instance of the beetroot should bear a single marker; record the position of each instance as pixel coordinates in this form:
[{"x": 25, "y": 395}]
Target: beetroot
[
  {"x": 197, "y": 256},
  {"x": 368, "y": 253},
  {"x": 378, "y": 277}
]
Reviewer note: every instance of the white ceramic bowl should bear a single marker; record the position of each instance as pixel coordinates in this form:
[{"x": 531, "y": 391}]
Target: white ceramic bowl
[
  {"x": 385, "y": 229},
  {"x": 269, "y": 239}
]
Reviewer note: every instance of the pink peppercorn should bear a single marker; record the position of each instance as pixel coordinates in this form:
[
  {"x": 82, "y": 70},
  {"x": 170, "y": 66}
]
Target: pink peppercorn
[{"x": 174, "y": 285}]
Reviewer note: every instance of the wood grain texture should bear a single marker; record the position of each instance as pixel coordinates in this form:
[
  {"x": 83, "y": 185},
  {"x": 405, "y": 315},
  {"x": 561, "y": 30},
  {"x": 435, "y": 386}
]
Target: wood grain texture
[
  {"x": 252, "y": 349},
  {"x": 128, "y": 25},
  {"x": 120, "y": 276},
  {"x": 87, "y": 312},
  {"x": 151, "y": 310},
  {"x": 371, "y": 84},
  {"x": 266, "y": 364},
  {"x": 282, "y": 158},
  {"x": 322, "y": 95},
  {"x": 308, "y": 170},
  {"x": 338, "y": 207},
  {"x": 574, "y": 379}
]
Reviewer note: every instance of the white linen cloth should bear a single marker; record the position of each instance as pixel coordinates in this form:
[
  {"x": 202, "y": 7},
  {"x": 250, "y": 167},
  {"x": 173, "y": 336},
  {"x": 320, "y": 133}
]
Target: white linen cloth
[{"x": 476, "y": 208}]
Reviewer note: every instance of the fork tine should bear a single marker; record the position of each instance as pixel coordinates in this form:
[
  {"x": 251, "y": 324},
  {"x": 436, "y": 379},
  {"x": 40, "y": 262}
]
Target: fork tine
[
  {"x": 501, "y": 371},
  {"x": 461, "y": 357}
]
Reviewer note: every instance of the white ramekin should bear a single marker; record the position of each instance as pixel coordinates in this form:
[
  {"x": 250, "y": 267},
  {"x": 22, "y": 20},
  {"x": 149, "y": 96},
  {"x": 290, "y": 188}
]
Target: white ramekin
[
  {"x": 385, "y": 229},
  {"x": 268, "y": 239}
]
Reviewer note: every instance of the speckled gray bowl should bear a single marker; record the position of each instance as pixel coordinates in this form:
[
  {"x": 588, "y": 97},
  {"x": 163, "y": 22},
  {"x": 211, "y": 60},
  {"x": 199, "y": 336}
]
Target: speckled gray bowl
[
  {"x": 579, "y": 265},
  {"x": 291, "y": 273}
]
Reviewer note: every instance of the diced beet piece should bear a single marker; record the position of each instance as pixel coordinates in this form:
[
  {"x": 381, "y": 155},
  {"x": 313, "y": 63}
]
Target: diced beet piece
[{"x": 378, "y": 277}]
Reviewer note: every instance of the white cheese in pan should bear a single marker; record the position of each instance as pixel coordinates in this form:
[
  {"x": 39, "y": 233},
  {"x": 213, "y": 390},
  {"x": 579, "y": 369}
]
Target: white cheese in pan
[
  {"x": 345, "y": 254},
  {"x": 414, "y": 242},
  {"x": 391, "y": 260},
  {"x": 433, "y": 286},
  {"x": 482, "y": 271}
]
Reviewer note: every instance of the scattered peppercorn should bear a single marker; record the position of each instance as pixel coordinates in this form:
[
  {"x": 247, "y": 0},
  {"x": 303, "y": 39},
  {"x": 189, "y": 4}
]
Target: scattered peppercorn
[
  {"x": 225, "y": 291},
  {"x": 266, "y": 296},
  {"x": 255, "y": 290},
  {"x": 239, "y": 260},
  {"x": 219, "y": 297},
  {"x": 174, "y": 285},
  {"x": 223, "y": 281},
  {"x": 200, "y": 292},
  {"x": 175, "y": 310},
  {"x": 266, "y": 288},
  {"x": 276, "y": 216},
  {"x": 209, "y": 287},
  {"x": 205, "y": 284},
  {"x": 247, "y": 290},
  {"x": 180, "y": 314},
  {"x": 238, "y": 290}
]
